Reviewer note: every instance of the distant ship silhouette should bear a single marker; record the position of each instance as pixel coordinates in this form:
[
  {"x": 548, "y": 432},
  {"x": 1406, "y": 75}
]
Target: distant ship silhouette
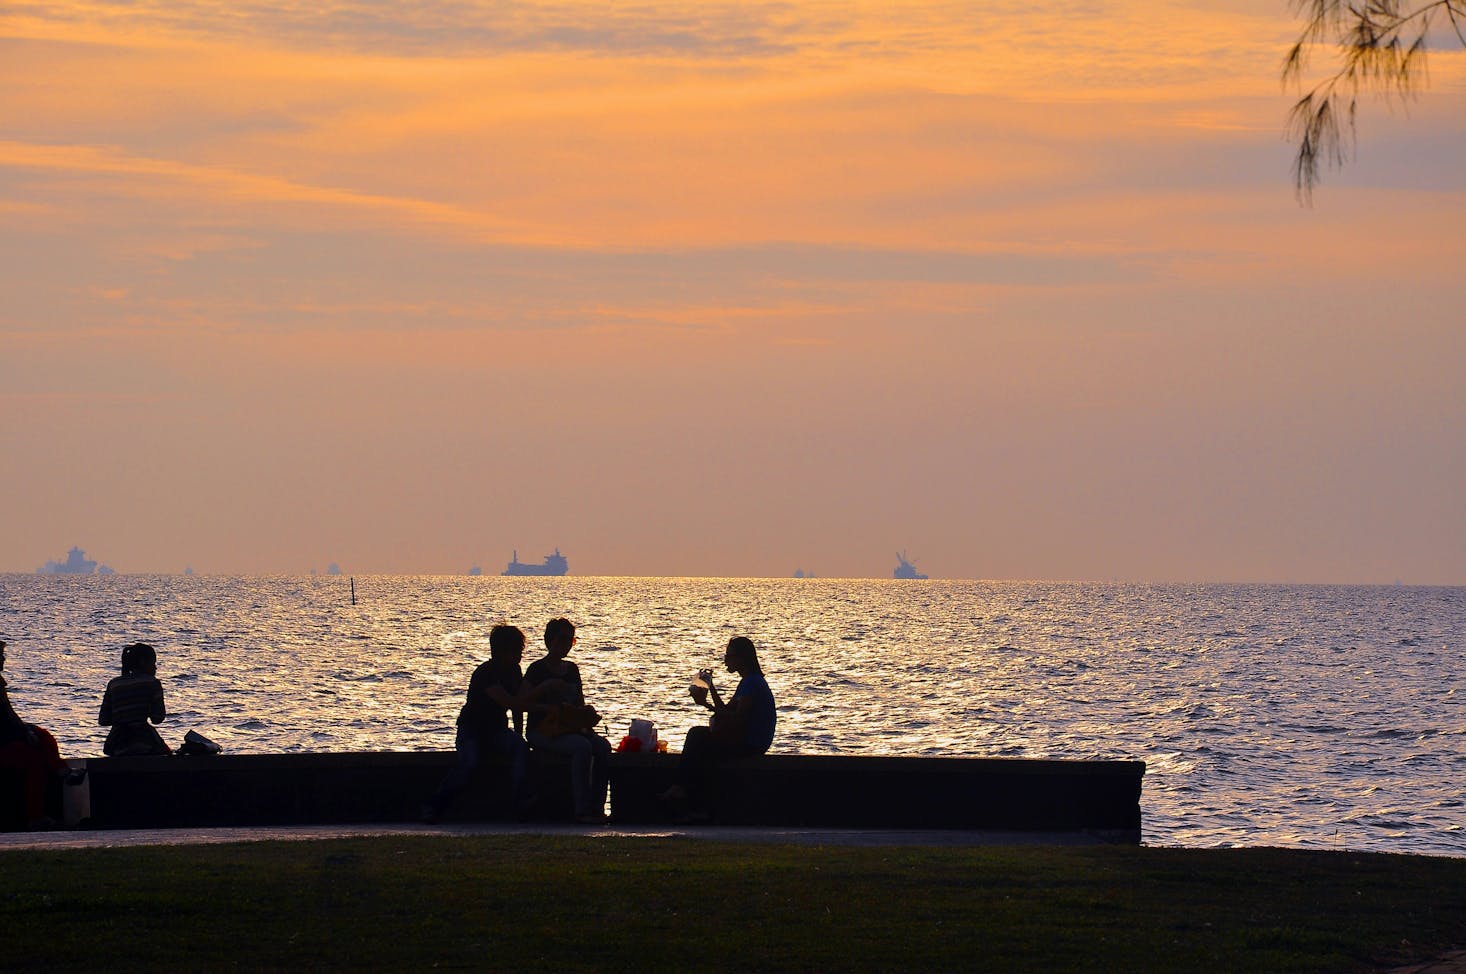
[
  {"x": 76, "y": 563},
  {"x": 905, "y": 569},
  {"x": 552, "y": 565}
]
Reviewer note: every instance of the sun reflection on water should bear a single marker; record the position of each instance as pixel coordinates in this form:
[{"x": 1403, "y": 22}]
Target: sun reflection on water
[{"x": 1304, "y": 716}]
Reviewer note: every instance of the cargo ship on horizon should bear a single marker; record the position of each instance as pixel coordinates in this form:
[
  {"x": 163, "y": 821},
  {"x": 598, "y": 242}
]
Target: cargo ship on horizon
[
  {"x": 552, "y": 565},
  {"x": 76, "y": 563}
]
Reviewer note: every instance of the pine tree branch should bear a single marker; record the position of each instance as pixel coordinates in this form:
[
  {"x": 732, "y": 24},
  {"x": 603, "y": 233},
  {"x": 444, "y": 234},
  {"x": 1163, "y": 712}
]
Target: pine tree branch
[{"x": 1381, "y": 48}]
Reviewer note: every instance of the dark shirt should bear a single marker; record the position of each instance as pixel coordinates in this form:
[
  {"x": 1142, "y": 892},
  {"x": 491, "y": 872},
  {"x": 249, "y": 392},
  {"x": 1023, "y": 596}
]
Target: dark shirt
[
  {"x": 572, "y": 692},
  {"x": 481, "y": 716},
  {"x": 758, "y": 729}
]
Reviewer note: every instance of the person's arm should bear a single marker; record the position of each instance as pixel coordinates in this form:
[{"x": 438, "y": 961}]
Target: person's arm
[
  {"x": 159, "y": 711},
  {"x": 729, "y": 719},
  {"x": 502, "y": 697},
  {"x": 528, "y": 697},
  {"x": 712, "y": 700},
  {"x": 527, "y": 700},
  {"x": 7, "y": 712},
  {"x": 105, "y": 717},
  {"x": 531, "y": 694},
  {"x": 738, "y": 705},
  {"x": 736, "y": 708},
  {"x": 703, "y": 688},
  {"x": 578, "y": 688}
]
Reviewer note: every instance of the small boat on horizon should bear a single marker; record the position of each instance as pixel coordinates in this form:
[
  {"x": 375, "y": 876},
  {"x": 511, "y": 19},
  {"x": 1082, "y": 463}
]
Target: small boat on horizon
[{"x": 552, "y": 565}]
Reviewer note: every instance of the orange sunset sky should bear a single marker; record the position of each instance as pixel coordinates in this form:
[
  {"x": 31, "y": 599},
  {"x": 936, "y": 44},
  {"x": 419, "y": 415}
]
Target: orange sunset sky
[{"x": 720, "y": 289}]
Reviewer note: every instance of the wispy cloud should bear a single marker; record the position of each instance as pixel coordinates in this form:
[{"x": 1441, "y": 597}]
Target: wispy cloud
[
  {"x": 1009, "y": 45},
  {"x": 441, "y": 28},
  {"x": 222, "y": 181}
]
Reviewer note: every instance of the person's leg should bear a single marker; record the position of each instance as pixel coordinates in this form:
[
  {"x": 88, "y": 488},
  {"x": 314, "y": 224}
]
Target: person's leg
[
  {"x": 509, "y": 744},
  {"x": 600, "y": 778},
  {"x": 51, "y": 770},
  {"x": 694, "y": 755},
  {"x": 467, "y": 746},
  {"x": 31, "y": 774},
  {"x": 701, "y": 752},
  {"x": 578, "y": 748}
]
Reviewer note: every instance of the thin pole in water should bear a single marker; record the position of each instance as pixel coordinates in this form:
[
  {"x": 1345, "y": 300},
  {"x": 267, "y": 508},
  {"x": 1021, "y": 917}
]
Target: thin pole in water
[{"x": 353, "y": 590}]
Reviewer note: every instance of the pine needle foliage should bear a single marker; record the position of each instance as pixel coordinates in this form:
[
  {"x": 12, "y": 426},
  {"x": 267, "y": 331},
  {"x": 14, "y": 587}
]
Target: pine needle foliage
[{"x": 1380, "y": 47}]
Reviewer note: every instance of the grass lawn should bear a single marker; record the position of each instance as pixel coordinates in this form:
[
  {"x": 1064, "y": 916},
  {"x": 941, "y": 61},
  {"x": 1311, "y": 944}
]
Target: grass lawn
[{"x": 571, "y": 903}]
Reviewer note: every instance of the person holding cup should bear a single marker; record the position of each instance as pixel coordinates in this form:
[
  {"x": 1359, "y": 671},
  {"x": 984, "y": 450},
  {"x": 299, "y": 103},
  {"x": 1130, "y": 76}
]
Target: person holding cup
[{"x": 743, "y": 726}]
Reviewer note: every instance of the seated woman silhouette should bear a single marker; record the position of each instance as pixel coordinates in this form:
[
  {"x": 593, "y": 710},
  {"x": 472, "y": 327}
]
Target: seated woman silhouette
[
  {"x": 131, "y": 700},
  {"x": 742, "y": 727},
  {"x": 570, "y": 734},
  {"x": 31, "y": 753}
]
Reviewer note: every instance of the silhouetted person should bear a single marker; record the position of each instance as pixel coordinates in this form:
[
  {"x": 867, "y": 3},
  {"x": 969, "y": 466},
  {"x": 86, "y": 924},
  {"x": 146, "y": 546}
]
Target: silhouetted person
[
  {"x": 742, "y": 727},
  {"x": 563, "y": 724},
  {"x": 131, "y": 701},
  {"x": 31, "y": 753},
  {"x": 495, "y": 691},
  {"x": 12, "y": 728}
]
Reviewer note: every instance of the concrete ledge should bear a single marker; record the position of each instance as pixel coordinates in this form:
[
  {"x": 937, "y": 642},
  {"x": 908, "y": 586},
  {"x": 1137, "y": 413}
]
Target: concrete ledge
[
  {"x": 302, "y": 789},
  {"x": 1100, "y": 798}
]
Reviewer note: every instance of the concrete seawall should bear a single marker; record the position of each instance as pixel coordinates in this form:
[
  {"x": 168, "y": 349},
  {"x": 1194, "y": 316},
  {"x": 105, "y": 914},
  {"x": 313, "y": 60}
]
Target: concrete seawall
[
  {"x": 855, "y": 791},
  {"x": 778, "y": 790}
]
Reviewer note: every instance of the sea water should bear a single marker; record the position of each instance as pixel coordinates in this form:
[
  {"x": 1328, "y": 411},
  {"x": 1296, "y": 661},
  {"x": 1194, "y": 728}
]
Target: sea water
[{"x": 1305, "y": 716}]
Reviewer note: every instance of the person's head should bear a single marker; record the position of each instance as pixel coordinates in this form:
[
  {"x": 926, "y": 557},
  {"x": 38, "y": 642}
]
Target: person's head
[
  {"x": 506, "y": 644},
  {"x": 559, "y": 637},
  {"x": 741, "y": 657},
  {"x": 139, "y": 658}
]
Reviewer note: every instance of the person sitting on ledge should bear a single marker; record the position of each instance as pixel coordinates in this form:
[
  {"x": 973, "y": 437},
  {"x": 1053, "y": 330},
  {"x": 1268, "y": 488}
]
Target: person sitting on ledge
[
  {"x": 31, "y": 752},
  {"x": 564, "y": 724},
  {"x": 742, "y": 727},
  {"x": 131, "y": 700},
  {"x": 495, "y": 690}
]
